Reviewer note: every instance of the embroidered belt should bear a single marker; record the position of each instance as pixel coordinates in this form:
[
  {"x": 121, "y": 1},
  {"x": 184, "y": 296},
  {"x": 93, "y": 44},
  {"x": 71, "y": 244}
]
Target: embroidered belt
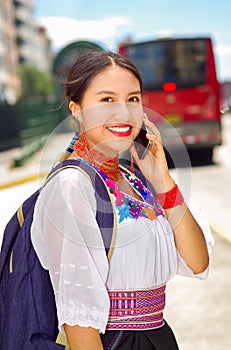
[{"x": 140, "y": 309}]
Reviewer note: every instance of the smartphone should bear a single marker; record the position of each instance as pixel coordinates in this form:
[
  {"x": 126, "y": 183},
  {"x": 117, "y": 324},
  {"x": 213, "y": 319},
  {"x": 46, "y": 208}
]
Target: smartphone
[{"x": 141, "y": 143}]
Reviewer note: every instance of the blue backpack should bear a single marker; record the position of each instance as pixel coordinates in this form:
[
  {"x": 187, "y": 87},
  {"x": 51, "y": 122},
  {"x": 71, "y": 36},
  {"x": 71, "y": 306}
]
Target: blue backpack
[{"x": 28, "y": 319}]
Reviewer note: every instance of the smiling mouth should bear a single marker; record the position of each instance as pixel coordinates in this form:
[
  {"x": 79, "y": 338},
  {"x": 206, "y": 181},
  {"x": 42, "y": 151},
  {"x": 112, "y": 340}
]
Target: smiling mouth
[{"x": 121, "y": 131}]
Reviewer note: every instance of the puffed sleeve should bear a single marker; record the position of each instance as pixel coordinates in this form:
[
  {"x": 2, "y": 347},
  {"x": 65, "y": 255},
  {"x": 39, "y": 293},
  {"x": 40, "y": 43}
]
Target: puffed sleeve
[
  {"x": 67, "y": 239},
  {"x": 201, "y": 218}
]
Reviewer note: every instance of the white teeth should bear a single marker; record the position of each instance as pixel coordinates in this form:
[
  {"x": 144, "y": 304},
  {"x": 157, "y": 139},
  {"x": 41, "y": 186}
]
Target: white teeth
[{"x": 119, "y": 129}]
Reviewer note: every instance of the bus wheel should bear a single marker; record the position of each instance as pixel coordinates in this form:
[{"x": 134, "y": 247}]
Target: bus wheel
[{"x": 201, "y": 156}]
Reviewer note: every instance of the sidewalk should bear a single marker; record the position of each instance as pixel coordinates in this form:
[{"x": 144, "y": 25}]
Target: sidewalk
[
  {"x": 15, "y": 176},
  {"x": 37, "y": 166},
  {"x": 198, "y": 311}
]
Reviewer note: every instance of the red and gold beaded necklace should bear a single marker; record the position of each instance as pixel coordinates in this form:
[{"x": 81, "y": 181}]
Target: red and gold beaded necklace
[{"x": 110, "y": 166}]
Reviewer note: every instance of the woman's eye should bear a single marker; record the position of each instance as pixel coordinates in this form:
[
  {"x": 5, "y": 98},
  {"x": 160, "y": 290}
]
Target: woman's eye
[
  {"x": 134, "y": 99},
  {"x": 107, "y": 99}
]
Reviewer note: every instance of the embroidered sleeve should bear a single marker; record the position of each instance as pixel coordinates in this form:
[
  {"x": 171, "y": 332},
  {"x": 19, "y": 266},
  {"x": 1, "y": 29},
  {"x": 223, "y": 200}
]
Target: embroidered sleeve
[{"x": 74, "y": 253}]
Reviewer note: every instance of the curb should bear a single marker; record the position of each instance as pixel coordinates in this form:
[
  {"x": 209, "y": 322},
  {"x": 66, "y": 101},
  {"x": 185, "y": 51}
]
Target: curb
[
  {"x": 22, "y": 181},
  {"x": 217, "y": 231}
]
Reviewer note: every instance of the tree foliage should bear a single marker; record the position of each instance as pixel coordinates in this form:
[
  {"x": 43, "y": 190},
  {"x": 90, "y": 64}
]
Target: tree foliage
[{"x": 35, "y": 84}]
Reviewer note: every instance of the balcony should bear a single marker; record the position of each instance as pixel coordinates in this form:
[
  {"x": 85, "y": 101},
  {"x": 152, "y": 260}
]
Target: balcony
[
  {"x": 24, "y": 3},
  {"x": 21, "y": 15}
]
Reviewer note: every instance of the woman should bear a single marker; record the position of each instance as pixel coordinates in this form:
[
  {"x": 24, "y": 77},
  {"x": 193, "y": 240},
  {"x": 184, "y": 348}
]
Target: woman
[{"x": 116, "y": 304}]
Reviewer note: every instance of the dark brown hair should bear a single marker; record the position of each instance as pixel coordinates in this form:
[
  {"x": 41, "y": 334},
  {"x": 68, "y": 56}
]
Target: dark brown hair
[{"x": 87, "y": 66}]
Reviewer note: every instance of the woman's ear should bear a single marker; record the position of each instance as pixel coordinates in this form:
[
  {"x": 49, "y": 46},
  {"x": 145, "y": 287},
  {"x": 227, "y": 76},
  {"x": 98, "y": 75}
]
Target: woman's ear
[{"x": 75, "y": 109}]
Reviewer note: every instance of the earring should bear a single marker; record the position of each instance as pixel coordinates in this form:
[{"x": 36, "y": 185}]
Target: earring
[{"x": 83, "y": 137}]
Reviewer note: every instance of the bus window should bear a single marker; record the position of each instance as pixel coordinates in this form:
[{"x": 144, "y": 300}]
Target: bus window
[{"x": 170, "y": 61}]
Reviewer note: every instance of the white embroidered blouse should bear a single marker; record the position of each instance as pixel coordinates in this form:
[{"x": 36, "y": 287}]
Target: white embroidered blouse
[{"x": 68, "y": 241}]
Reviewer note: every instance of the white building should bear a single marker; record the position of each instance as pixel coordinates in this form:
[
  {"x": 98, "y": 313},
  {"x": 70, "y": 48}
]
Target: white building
[{"x": 21, "y": 41}]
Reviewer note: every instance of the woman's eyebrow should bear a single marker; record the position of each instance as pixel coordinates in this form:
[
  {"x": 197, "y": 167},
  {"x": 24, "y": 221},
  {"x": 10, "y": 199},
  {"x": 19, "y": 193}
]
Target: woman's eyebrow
[
  {"x": 114, "y": 93},
  {"x": 105, "y": 92},
  {"x": 135, "y": 92}
]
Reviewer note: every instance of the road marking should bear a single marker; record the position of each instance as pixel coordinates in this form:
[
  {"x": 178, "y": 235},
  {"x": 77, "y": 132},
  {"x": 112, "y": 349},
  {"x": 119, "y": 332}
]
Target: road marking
[
  {"x": 221, "y": 233},
  {"x": 22, "y": 181}
]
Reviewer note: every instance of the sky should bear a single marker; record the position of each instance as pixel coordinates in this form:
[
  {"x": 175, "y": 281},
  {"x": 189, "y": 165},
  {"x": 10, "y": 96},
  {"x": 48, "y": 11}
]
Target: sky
[{"x": 110, "y": 22}]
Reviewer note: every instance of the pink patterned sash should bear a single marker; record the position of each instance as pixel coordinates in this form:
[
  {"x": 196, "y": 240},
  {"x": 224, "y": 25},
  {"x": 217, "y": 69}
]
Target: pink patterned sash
[{"x": 141, "y": 309}]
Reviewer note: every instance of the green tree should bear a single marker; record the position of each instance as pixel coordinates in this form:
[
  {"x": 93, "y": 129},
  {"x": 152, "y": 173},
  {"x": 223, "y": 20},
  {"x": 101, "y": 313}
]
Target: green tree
[{"x": 36, "y": 86}]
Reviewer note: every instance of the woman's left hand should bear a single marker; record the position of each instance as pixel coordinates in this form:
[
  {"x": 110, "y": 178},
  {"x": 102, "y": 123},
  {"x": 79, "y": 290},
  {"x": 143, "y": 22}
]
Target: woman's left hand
[{"x": 154, "y": 166}]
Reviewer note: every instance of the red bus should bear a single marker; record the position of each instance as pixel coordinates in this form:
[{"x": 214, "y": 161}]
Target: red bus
[{"x": 180, "y": 83}]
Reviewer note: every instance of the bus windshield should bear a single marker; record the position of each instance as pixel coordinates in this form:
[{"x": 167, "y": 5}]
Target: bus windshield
[{"x": 180, "y": 61}]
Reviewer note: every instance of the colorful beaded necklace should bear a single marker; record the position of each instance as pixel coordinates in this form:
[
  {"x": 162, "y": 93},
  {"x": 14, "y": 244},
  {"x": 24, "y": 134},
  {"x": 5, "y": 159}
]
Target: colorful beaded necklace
[{"x": 109, "y": 166}]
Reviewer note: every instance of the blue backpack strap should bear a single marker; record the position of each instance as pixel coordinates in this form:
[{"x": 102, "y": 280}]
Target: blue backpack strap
[{"x": 105, "y": 214}]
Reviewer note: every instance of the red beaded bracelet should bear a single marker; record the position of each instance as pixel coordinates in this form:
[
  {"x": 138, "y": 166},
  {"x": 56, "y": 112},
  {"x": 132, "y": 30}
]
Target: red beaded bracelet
[{"x": 171, "y": 198}]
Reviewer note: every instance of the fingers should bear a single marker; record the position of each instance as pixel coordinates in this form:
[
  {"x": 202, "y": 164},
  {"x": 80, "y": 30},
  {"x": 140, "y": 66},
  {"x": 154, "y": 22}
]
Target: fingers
[
  {"x": 152, "y": 129},
  {"x": 154, "y": 134},
  {"x": 155, "y": 137}
]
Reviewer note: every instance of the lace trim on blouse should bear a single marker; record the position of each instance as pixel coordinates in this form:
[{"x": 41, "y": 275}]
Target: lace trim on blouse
[{"x": 74, "y": 313}]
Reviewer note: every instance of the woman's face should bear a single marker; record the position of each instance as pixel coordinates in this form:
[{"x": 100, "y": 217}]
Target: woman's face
[{"x": 111, "y": 110}]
